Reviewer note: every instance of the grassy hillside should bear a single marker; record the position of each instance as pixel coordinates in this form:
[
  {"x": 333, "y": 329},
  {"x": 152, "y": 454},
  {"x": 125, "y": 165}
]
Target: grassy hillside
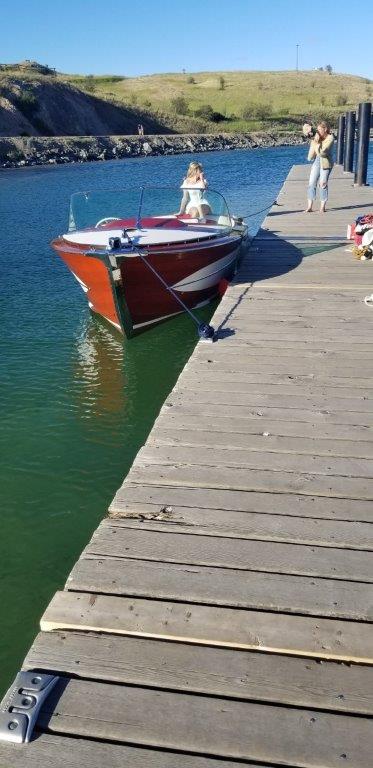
[
  {"x": 246, "y": 100},
  {"x": 215, "y": 101}
]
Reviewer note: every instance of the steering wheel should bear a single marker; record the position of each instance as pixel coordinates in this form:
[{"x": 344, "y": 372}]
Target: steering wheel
[{"x": 106, "y": 220}]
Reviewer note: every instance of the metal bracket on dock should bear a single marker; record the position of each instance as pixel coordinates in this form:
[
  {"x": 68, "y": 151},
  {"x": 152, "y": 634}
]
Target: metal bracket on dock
[{"x": 20, "y": 706}]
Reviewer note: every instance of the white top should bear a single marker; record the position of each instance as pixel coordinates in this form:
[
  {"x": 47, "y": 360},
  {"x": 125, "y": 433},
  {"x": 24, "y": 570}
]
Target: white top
[{"x": 195, "y": 192}]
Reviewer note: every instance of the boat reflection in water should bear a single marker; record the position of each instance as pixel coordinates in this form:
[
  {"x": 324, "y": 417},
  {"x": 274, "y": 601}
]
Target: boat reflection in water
[{"x": 99, "y": 375}]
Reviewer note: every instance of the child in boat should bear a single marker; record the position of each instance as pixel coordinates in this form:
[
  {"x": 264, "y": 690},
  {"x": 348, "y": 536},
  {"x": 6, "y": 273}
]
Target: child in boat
[{"x": 194, "y": 202}]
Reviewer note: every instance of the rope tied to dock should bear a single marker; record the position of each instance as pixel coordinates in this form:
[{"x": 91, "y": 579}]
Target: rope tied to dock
[
  {"x": 256, "y": 213},
  {"x": 204, "y": 330}
]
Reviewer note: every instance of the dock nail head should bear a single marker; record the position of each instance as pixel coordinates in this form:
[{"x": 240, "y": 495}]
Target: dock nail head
[{"x": 21, "y": 704}]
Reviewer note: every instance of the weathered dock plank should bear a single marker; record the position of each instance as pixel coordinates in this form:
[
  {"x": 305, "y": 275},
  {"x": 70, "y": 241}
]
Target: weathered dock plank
[
  {"x": 154, "y": 453},
  {"x": 231, "y": 587},
  {"x": 273, "y": 443},
  {"x": 257, "y": 526},
  {"x": 251, "y": 555},
  {"x": 64, "y": 752},
  {"x": 172, "y": 505},
  {"x": 207, "y": 725},
  {"x": 266, "y": 481},
  {"x": 323, "y": 638},
  {"x": 216, "y": 671},
  {"x": 257, "y": 422}
]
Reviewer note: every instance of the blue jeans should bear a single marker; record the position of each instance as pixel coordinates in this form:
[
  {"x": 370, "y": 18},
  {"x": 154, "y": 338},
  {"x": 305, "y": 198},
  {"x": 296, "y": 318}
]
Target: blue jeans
[{"x": 321, "y": 175}]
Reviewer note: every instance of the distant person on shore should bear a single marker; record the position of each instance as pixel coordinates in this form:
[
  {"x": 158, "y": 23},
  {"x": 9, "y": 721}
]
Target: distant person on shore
[
  {"x": 194, "y": 202},
  {"x": 140, "y": 129},
  {"x": 320, "y": 152}
]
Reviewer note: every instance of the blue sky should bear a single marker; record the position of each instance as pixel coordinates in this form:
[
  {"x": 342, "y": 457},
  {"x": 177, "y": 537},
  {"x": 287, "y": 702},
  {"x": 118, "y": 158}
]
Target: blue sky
[{"x": 136, "y": 38}]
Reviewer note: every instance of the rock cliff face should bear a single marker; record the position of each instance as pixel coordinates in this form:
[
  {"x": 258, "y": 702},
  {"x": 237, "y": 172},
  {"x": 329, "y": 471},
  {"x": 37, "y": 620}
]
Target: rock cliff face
[
  {"x": 23, "y": 151},
  {"x": 12, "y": 121},
  {"x": 53, "y": 108}
]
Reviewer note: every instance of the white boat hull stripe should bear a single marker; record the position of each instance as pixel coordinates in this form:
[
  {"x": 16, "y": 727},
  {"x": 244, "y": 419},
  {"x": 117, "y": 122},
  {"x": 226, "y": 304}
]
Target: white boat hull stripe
[{"x": 207, "y": 276}]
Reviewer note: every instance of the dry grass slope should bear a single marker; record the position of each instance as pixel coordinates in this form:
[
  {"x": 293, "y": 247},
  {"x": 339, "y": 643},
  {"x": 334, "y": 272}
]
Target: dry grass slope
[
  {"x": 221, "y": 101},
  {"x": 242, "y": 97}
]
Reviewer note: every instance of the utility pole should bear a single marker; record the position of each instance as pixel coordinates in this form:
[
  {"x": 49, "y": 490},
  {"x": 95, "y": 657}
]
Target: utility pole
[{"x": 297, "y": 57}]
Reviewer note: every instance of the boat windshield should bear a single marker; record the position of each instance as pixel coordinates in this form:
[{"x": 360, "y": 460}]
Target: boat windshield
[{"x": 98, "y": 208}]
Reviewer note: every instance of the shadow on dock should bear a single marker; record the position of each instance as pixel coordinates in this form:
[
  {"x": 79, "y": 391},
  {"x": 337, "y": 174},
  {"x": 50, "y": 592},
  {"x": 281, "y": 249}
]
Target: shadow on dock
[{"x": 270, "y": 257}]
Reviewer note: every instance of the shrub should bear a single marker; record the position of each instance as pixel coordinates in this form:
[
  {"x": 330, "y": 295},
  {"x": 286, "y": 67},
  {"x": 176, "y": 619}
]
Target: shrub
[
  {"x": 257, "y": 111},
  {"x": 313, "y": 83},
  {"x": 179, "y": 105},
  {"x": 341, "y": 100},
  {"x": 189, "y": 124},
  {"x": 323, "y": 101},
  {"x": 88, "y": 84},
  {"x": 249, "y": 111},
  {"x": 26, "y": 102},
  {"x": 108, "y": 78},
  {"x": 324, "y": 114},
  {"x": 191, "y": 80},
  {"x": 283, "y": 112},
  {"x": 207, "y": 113},
  {"x": 263, "y": 111},
  {"x": 221, "y": 83}
]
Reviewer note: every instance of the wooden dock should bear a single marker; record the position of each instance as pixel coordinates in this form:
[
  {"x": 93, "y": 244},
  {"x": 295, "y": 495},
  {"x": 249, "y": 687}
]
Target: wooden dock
[{"x": 222, "y": 615}]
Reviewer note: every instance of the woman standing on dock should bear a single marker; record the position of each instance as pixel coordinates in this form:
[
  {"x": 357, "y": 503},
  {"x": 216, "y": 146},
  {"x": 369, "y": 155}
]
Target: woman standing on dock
[{"x": 320, "y": 152}]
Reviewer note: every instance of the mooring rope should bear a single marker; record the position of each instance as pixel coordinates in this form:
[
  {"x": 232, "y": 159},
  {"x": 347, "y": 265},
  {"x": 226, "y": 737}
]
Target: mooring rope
[
  {"x": 256, "y": 213},
  {"x": 205, "y": 331}
]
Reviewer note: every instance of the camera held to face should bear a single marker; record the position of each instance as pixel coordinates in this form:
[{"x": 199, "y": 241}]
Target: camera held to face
[{"x": 308, "y": 131}]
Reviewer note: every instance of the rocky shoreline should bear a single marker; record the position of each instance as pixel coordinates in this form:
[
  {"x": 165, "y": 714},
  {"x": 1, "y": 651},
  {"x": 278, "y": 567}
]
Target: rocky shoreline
[{"x": 21, "y": 151}]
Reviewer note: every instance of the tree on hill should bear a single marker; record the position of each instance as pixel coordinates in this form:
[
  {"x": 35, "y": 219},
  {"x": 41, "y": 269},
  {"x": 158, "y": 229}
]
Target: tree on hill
[
  {"x": 341, "y": 100},
  {"x": 208, "y": 113},
  {"x": 328, "y": 68},
  {"x": 179, "y": 105},
  {"x": 88, "y": 84}
]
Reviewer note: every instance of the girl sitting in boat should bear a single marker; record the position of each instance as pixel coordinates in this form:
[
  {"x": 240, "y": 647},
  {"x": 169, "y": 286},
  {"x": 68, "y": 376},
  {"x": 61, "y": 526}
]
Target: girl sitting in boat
[{"x": 193, "y": 201}]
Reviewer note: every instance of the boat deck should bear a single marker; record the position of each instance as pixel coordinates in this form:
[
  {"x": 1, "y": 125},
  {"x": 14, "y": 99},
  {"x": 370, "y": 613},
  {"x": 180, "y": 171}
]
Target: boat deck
[{"x": 222, "y": 615}]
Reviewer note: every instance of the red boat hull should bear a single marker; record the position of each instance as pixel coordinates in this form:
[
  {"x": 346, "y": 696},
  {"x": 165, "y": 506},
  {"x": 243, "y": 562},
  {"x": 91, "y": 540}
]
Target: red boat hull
[{"x": 122, "y": 289}]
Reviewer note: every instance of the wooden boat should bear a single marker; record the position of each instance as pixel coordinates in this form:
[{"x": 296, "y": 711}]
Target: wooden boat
[{"x": 139, "y": 267}]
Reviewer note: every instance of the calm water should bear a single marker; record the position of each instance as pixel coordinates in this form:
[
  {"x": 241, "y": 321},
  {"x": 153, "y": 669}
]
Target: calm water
[{"x": 77, "y": 401}]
